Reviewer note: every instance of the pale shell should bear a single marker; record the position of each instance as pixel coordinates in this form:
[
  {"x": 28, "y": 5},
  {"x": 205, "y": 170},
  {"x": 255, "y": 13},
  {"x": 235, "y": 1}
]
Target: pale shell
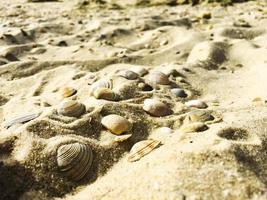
[
  {"x": 74, "y": 160},
  {"x": 198, "y": 116},
  {"x": 141, "y": 71},
  {"x": 142, "y": 148},
  {"x": 156, "y": 108},
  {"x": 177, "y": 92},
  {"x": 101, "y": 84},
  {"x": 128, "y": 74},
  {"x": 193, "y": 127},
  {"x": 21, "y": 119},
  {"x": 157, "y": 77},
  {"x": 68, "y": 91},
  {"x": 116, "y": 124},
  {"x": 104, "y": 93},
  {"x": 196, "y": 103},
  {"x": 122, "y": 138},
  {"x": 71, "y": 108}
]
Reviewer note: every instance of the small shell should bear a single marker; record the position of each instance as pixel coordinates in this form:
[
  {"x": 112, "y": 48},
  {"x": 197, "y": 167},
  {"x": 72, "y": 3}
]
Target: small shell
[
  {"x": 101, "y": 84},
  {"x": 193, "y": 127},
  {"x": 157, "y": 77},
  {"x": 21, "y": 119},
  {"x": 116, "y": 124},
  {"x": 130, "y": 75},
  {"x": 68, "y": 91},
  {"x": 74, "y": 160},
  {"x": 156, "y": 108},
  {"x": 71, "y": 108},
  {"x": 121, "y": 138},
  {"x": 142, "y": 148},
  {"x": 196, "y": 103},
  {"x": 104, "y": 93},
  {"x": 177, "y": 92},
  {"x": 141, "y": 71},
  {"x": 198, "y": 116}
]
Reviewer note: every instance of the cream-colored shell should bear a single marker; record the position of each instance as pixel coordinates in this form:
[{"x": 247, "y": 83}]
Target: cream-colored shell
[
  {"x": 116, "y": 124},
  {"x": 198, "y": 116},
  {"x": 71, "y": 108},
  {"x": 157, "y": 77},
  {"x": 156, "y": 108},
  {"x": 104, "y": 93},
  {"x": 102, "y": 83},
  {"x": 196, "y": 104}
]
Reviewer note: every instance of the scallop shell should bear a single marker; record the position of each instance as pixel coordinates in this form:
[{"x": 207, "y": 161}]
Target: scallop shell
[
  {"x": 21, "y": 119},
  {"x": 156, "y": 108},
  {"x": 141, "y": 71},
  {"x": 104, "y": 93},
  {"x": 116, "y": 124},
  {"x": 142, "y": 148},
  {"x": 74, "y": 160},
  {"x": 193, "y": 127},
  {"x": 128, "y": 74},
  {"x": 157, "y": 77},
  {"x": 177, "y": 92},
  {"x": 196, "y": 103},
  {"x": 198, "y": 116},
  {"x": 71, "y": 108},
  {"x": 68, "y": 91},
  {"x": 101, "y": 84}
]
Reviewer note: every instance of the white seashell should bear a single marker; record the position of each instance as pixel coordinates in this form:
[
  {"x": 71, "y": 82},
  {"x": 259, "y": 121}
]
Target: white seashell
[
  {"x": 71, "y": 108},
  {"x": 74, "y": 160},
  {"x": 193, "y": 127},
  {"x": 156, "y": 108},
  {"x": 101, "y": 84},
  {"x": 157, "y": 77},
  {"x": 177, "y": 92},
  {"x": 21, "y": 119},
  {"x": 196, "y": 103},
  {"x": 104, "y": 93},
  {"x": 116, "y": 124},
  {"x": 130, "y": 75},
  {"x": 142, "y": 148},
  {"x": 141, "y": 71}
]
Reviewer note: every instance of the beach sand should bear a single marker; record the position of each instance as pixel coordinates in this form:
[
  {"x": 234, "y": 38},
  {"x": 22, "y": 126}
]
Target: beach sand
[{"x": 213, "y": 53}]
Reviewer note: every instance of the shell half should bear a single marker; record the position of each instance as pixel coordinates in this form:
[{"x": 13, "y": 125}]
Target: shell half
[{"x": 71, "y": 108}]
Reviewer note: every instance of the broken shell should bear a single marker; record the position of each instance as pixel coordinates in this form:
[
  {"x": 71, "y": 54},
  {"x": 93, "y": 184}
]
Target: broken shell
[
  {"x": 121, "y": 138},
  {"x": 177, "y": 92},
  {"x": 104, "y": 93},
  {"x": 142, "y": 148},
  {"x": 68, "y": 91},
  {"x": 156, "y": 108},
  {"x": 116, "y": 124},
  {"x": 196, "y": 103},
  {"x": 157, "y": 77},
  {"x": 71, "y": 108},
  {"x": 74, "y": 160},
  {"x": 21, "y": 119},
  {"x": 193, "y": 127},
  {"x": 101, "y": 84},
  {"x": 141, "y": 71},
  {"x": 198, "y": 116},
  {"x": 130, "y": 75}
]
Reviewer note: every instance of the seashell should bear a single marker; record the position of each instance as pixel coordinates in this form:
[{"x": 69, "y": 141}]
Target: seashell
[
  {"x": 74, "y": 160},
  {"x": 198, "y": 116},
  {"x": 196, "y": 103},
  {"x": 68, "y": 91},
  {"x": 122, "y": 138},
  {"x": 156, "y": 108},
  {"x": 141, "y": 71},
  {"x": 71, "y": 108},
  {"x": 116, "y": 124},
  {"x": 130, "y": 75},
  {"x": 101, "y": 84},
  {"x": 104, "y": 93},
  {"x": 177, "y": 92},
  {"x": 157, "y": 77},
  {"x": 142, "y": 148},
  {"x": 193, "y": 127},
  {"x": 21, "y": 119}
]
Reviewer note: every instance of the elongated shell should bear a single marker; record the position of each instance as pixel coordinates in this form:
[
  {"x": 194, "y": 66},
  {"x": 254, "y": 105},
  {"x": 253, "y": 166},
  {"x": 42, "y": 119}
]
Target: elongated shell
[
  {"x": 196, "y": 103},
  {"x": 21, "y": 119},
  {"x": 116, "y": 124},
  {"x": 156, "y": 108},
  {"x": 101, "y": 84},
  {"x": 141, "y": 149},
  {"x": 71, "y": 108},
  {"x": 74, "y": 160},
  {"x": 68, "y": 91},
  {"x": 128, "y": 74},
  {"x": 104, "y": 93},
  {"x": 193, "y": 127},
  {"x": 141, "y": 71},
  {"x": 157, "y": 77}
]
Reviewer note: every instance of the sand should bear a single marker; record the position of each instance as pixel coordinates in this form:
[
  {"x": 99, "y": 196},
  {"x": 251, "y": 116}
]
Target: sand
[{"x": 217, "y": 54}]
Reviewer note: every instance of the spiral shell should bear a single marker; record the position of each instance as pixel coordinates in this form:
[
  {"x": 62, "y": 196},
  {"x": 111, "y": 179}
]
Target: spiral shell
[
  {"x": 142, "y": 148},
  {"x": 193, "y": 127},
  {"x": 68, "y": 91},
  {"x": 156, "y": 108},
  {"x": 71, "y": 108},
  {"x": 21, "y": 119},
  {"x": 74, "y": 160},
  {"x": 116, "y": 124},
  {"x": 141, "y": 71},
  {"x": 128, "y": 74},
  {"x": 104, "y": 93},
  {"x": 157, "y": 77},
  {"x": 101, "y": 84},
  {"x": 196, "y": 104}
]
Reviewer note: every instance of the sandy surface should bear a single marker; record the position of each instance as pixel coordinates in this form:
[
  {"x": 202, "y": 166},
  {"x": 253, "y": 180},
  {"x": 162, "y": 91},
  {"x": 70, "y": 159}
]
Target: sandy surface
[{"x": 217, "y": 54}]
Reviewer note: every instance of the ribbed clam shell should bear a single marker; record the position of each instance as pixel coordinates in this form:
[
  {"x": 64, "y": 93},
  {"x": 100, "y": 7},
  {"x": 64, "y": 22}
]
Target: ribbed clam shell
[
  {"x": 71, "y": 108},
  {"x": 101, "y": 84},
  {"x": 141, "y": 149},
  {"x": 74, "y": 160},
  {"x": 193, "y": 127},
  {"x": 21, "y": 119},
  {"x": 198, "y": 116},
  {"x": 128, "y": 74},
  {"x": 68, "y": 91},
  {"x": 156, "y": 108},
  {"x": 141, "y": 71},
  {"x": 104, "y": 93},
  {"x": 157, "y": 77},
  {"x": 116, "y": 124},
  {"x": 196, "y": 103}
]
